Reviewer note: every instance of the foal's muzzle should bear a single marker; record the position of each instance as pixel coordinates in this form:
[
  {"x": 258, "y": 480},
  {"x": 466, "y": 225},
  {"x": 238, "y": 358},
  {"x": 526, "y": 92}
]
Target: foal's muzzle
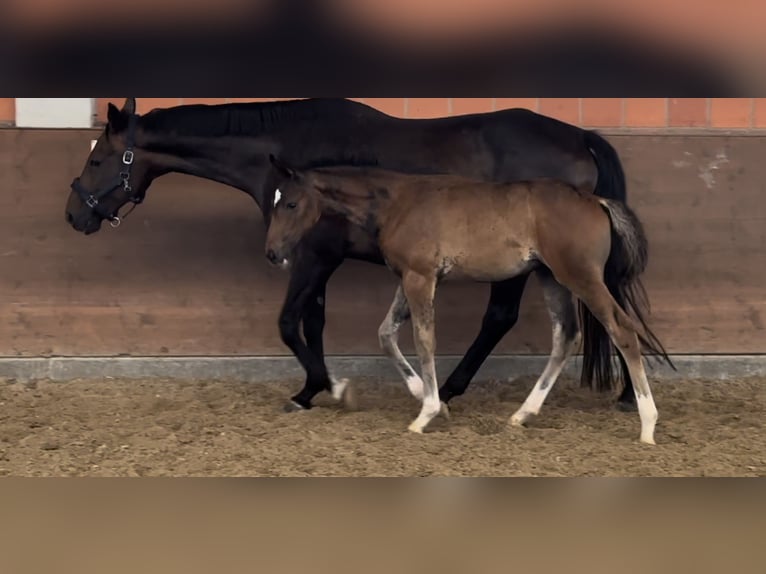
[{"x": 276, "y": 260}]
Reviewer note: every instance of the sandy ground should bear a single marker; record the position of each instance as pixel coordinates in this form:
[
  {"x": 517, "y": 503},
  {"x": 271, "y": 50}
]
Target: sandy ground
[{"x": 171, "y": 428}]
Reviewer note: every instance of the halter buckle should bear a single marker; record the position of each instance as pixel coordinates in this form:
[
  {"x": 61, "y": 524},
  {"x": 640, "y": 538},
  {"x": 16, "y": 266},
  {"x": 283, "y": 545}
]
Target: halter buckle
[
  {"x": 91, "y": 202},
  {"x": 115, "y": 222},
  {"x": 127, "y": 157}
]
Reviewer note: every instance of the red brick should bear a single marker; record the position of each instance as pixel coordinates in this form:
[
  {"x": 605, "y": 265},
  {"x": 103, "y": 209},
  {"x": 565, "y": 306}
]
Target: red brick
[
  {"x": 759, "y": 117},
  {"x": 508, "y": 103},
  {"x": 208, "y": 101},
  {"x": 688, "y": 112},
  {"x": 471, "y": 105},
  {"x": 731, "y": 112},
  {"x": 645, "y": 112},
  {"x": 564, "y": 109},
  {"x": 427, "y": 107},
  {"x": 148, "y": 104},
  {"x": 602, "y": 112},
  {"x": 391, "y": 106},
  {"x": 247, "y": 100},
  {"x": 7, "y": 111}
]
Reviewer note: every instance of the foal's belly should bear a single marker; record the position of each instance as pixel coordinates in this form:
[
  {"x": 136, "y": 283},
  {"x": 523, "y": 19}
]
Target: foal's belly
[{"x": 489, "y": 267}]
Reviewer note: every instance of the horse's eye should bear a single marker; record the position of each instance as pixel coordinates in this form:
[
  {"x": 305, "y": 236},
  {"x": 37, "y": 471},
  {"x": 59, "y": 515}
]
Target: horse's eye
[
  {"x": 291, "y": 205},
  {"x": 95, "y": 163}
]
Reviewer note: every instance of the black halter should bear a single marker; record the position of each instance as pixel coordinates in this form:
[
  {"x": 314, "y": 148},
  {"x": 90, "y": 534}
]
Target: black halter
[{"x": 93, "y": 200}]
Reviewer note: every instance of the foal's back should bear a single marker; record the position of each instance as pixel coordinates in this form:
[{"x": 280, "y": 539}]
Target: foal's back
[{"x": 488, "y": 231}]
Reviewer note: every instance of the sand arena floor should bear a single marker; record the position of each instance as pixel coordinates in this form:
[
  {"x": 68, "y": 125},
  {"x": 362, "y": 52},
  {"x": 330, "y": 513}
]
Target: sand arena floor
[{"x": 175, "y": 428}]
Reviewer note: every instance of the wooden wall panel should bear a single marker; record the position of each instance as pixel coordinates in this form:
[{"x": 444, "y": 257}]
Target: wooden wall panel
[{"x": 185, "y": 274}]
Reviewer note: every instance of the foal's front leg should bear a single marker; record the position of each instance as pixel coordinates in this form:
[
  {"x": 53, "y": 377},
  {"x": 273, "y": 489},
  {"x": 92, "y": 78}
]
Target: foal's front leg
[
  {"x": 419, "y": 291},
  {"x": 388, "y": 335}
]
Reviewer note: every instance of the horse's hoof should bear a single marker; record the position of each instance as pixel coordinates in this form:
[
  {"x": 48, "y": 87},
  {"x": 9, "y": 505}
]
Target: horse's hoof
[
  {"x": 349, "y": 398},
  {"x": 444, "y": 411},
  {"x": 293, "y": 407},
  {"x": 626, "y": 407}
]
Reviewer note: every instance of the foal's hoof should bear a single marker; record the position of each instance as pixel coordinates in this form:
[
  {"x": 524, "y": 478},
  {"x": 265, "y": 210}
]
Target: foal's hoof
[
  {"x": 349, "y": 398},
  {"x": 444, "y": 411},
  {"x": 520, "y": 418},
  {"x": 293, "y": 407}
]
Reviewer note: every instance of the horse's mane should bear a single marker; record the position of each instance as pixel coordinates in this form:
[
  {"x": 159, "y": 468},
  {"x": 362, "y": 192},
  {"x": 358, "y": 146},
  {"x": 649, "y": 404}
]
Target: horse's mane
[{"x": 244, "y": 119}]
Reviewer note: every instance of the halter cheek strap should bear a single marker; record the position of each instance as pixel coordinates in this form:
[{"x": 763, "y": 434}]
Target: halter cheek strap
[{"x": 93, "y": 200}]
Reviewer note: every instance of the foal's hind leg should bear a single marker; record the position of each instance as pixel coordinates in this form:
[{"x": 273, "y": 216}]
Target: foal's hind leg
[
  {"x": 388, "y": 335},
  {"x": 419, "y": 291},
  {"x": 622, "y": 331},
  {"x": 566, "y": 340}
]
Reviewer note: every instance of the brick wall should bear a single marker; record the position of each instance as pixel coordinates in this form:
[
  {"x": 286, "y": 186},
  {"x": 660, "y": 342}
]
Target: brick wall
[
  {"x": 714, "y": 113},
  {"x": 7, "y": 111}
]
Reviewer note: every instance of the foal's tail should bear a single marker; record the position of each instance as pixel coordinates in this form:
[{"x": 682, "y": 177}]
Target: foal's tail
[{"x": 627, "y": 261}]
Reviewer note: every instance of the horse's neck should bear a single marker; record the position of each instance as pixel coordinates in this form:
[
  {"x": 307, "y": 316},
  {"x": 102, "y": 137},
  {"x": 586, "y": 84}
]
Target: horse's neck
[
  {"x": 242, "y": 161},
  {"x": 239, "y": 164}
]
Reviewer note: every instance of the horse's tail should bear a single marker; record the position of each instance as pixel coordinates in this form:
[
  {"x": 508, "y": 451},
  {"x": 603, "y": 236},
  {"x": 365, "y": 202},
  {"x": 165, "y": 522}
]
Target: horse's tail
[
  {"x": 611, "y": 177},
  {"x": 609, "y": 185},
  {"x": 627, "y": 260}
]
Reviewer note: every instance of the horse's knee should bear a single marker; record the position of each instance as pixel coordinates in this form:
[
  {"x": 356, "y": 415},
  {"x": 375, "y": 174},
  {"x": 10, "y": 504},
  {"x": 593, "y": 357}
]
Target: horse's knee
[{"x": 288, "y": 329}]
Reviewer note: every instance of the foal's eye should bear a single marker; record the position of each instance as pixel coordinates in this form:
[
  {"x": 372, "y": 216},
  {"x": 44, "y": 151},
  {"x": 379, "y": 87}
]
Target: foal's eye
[
  {"x": 95, "y": 163},
  {"x": 291, "y": 205}
]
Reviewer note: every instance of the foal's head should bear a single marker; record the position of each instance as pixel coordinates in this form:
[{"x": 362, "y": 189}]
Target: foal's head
[
  {"x": 112, "y": 176},
  {"x": 297, "y": 208}
]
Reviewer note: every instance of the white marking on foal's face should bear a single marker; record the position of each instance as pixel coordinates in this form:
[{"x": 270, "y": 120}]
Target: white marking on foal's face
[
  {"x": 277, "y": 197},
  {"x": 93, "y": 144}
]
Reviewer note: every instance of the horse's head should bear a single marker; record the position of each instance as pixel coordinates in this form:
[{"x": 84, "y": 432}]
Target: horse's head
[
  {"x": 113, "y": 174},
  {"x": 296, "y": 209}
]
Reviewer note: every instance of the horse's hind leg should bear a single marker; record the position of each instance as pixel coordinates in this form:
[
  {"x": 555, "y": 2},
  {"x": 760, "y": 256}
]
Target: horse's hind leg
[
  {"x": 388, "y": 335},
  {"x": 419, "y": 291},
  {"x": 566, "y": 340},
  {"x": 500, "y": 317},
  {"x": 622, "y": 331}
]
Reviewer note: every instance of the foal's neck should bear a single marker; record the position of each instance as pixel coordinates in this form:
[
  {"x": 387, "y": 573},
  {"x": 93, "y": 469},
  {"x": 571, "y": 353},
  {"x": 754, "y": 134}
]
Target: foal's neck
[{"x": 362, "y": 202}]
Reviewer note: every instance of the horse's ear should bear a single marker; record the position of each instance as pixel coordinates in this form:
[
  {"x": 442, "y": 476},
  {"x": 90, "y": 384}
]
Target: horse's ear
[
  {"x": 283, "y": 168},
  {"x": 118, "y": 119},
  {"x": 129, "y": 107}
]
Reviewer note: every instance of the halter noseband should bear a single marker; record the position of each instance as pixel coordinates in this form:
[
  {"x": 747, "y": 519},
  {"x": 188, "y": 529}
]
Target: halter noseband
[{"x": 93, "y": 200}]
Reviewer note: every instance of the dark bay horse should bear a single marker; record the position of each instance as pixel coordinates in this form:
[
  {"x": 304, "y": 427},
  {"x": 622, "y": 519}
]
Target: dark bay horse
[
  {"x": 231, "y": 143},
  {"x": 431, "y": 228}
]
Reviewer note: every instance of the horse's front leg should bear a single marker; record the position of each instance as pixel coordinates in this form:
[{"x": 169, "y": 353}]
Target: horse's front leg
[
  {"x": 308, "y": 277},
  {"x": 313, "y": 329}
]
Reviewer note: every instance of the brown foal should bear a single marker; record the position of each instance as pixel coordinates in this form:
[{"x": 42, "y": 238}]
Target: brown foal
[{"x": 438, "y": 227}]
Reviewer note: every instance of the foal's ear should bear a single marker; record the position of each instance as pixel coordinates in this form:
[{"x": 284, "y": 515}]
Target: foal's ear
[
  {"x": 283, "y": 168},
  {"x": 118, "y": 119}
]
